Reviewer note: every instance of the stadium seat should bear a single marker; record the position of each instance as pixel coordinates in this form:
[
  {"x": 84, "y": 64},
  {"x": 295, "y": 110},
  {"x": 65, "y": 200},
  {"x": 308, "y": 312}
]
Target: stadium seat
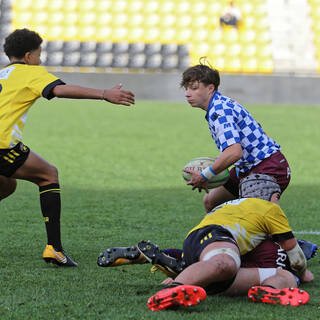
[
  {"x": 86, "y": 19},
  {"x": 184, "y": 36},
  {"x": 103, "y": 33},
  {"x": 183, "y": 21},
  {"x": 71, "y": 46},
  {"x": 232, "y": 65},
  {"x": 219, "y": 49},
  {"x": 3, "y": 59},
  {"x": 249, "y": 65},
  {"x": 150, "y": 6},
  {"x": 230, "y": 35},
  {"x": 104, "y": 60},
  {"x": 170, "y": 61},
  {"x": 201, "y": 35},
  {"x": 135, "y": 6},
  {"x": 233, "y": 51},
  {"x": 249, "y": 51},
  {"x": 183, "y": 7},
  {"x": 151, "y": 34},
  {"x": 120, "y": 60},
  {"x": 21, "y": 19},
  {"x": 152, "y": 48},
  {"x": 169, "y": 49},
  {"x": 71, "y": 59},
  {"x": 120, "y": 19},
  {"x": 70, "y": 6},
  {"x": 54, "y": 58},
  {"x": 137, "y": 60},
  {"x": 199, "y": 21},
  {"x": 104, "y": 47},
  {"x": 137, "y": 47},
  {"x": 183, "y": 50},
  {"x": 5, "y": 17},
  {"x": 86, "y": 5},
  {"x": 135, "y": 34},
  {"x": 265, "y": 65},
  {"x": 184, "y": 62},
  {"x": 136, "y": 20},
  {"x": 55, "y": 18},
  {"x": 86, "y": 33},
  {"x": 154, "y": 61},
  {"x": 247, "y": 36},
  {"x": 88, "y": 46},
  {"x": 55, "y": 6},
  {"x": 198, "y": 7},
  {"x": 103, "y": 6},
  {"x": 167, "y": 20},
  {"x": 54, "y": 46},
  {"x": 44, "y": 55},
  {"x": 120, "y": 47},
  {"x": 22, "y": 5},
  {"x": 166, "y": 7},
  {"x": 54, "y": 33},
  {"x": 70, "y": 32}
]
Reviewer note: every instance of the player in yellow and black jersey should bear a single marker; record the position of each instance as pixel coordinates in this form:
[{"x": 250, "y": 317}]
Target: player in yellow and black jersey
[
  {"x": 22, "y": 82},
  {"x": 250, "y": 221}
]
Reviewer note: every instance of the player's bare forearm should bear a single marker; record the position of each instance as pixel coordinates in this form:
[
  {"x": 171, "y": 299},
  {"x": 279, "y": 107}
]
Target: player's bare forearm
[
  {"x": 227, "y": 158},
  {"x": 114, "y": 95},
  {"x": 77, "y": 92}
]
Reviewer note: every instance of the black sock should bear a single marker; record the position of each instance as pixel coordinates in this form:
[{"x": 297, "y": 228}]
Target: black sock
[{"x": 51, "y": 207}]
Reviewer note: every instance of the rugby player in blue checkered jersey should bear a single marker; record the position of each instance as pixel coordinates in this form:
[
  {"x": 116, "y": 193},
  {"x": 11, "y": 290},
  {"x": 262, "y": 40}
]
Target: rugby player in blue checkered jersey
[
  {"x": 22, "y": 82},
  {"x": 239, "y": 137}
]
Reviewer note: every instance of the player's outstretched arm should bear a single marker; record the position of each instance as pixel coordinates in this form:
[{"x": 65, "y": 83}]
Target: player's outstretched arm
[{"x": 114, "y": 95}]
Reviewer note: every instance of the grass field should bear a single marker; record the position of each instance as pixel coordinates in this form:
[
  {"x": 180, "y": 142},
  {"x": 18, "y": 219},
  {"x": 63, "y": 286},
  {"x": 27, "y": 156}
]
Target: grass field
[{"x": 120, "y": 174}]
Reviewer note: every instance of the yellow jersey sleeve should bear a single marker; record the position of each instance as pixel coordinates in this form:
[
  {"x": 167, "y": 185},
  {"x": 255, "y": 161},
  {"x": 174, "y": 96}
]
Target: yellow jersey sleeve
[
  {"x": 42, "y": 83},
  {"x": 20, "y": 86},
  {"x": 277, "y": 224}
]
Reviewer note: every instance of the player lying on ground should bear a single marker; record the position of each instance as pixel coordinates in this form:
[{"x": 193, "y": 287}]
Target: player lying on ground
[
  {"x": 212, "y": 250},
  {"x": 22, "y": 82}
]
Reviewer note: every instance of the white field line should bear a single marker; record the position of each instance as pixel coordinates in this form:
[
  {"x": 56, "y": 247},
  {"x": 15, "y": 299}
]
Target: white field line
[{"x": 307, "y": 232}]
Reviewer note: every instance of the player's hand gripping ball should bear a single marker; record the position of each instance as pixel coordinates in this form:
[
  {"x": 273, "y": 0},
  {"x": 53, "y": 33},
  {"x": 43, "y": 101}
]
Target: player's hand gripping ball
[{"x": 198, "y": 164}]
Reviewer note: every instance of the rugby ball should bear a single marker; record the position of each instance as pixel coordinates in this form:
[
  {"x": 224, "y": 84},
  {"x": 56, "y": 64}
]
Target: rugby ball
[{"x": 198, "y": 164}]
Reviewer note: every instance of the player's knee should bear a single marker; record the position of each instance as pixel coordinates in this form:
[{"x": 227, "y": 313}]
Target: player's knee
[
  {"x": 225, "y": 261},
  {"x": 7, "y": 187},
  {"x": 50, "y": 175},
  {"x": 53, "y": 172}
]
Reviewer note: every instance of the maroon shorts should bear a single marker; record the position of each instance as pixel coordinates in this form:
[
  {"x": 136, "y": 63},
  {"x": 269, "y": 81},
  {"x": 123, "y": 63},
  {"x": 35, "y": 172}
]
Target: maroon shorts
[
  {"x": 267, "y": 254},
  {"x": 276, "y": 165}
]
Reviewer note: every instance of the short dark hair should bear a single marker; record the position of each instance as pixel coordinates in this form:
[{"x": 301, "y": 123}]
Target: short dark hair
[
  {"x": 200, "y": 73},
  {"x": 21, "y": 41}
]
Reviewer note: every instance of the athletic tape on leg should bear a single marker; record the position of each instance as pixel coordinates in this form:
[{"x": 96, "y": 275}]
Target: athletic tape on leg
[
  {"x": 227, "y": 251},
  {"x": 265, "y": 273}
]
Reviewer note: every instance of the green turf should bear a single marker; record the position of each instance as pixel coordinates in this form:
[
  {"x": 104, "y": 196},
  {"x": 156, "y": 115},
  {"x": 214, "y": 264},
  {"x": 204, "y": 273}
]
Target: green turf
[{"x": 120, "y": 173}]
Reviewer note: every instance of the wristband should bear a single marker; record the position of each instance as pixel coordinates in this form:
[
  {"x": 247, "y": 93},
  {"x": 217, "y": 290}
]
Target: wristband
[{"x": 207, "y": 173}]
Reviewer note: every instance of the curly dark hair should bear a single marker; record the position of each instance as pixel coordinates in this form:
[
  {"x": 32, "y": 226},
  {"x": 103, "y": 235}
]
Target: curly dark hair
[
  {"x": 201, "y": 73},
  {"x": 21, "y": 41}
]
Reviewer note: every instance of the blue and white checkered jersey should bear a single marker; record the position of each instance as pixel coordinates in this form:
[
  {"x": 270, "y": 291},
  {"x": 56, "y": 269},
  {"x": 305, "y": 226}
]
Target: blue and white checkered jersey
[{"x": 230, "y": 123}]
